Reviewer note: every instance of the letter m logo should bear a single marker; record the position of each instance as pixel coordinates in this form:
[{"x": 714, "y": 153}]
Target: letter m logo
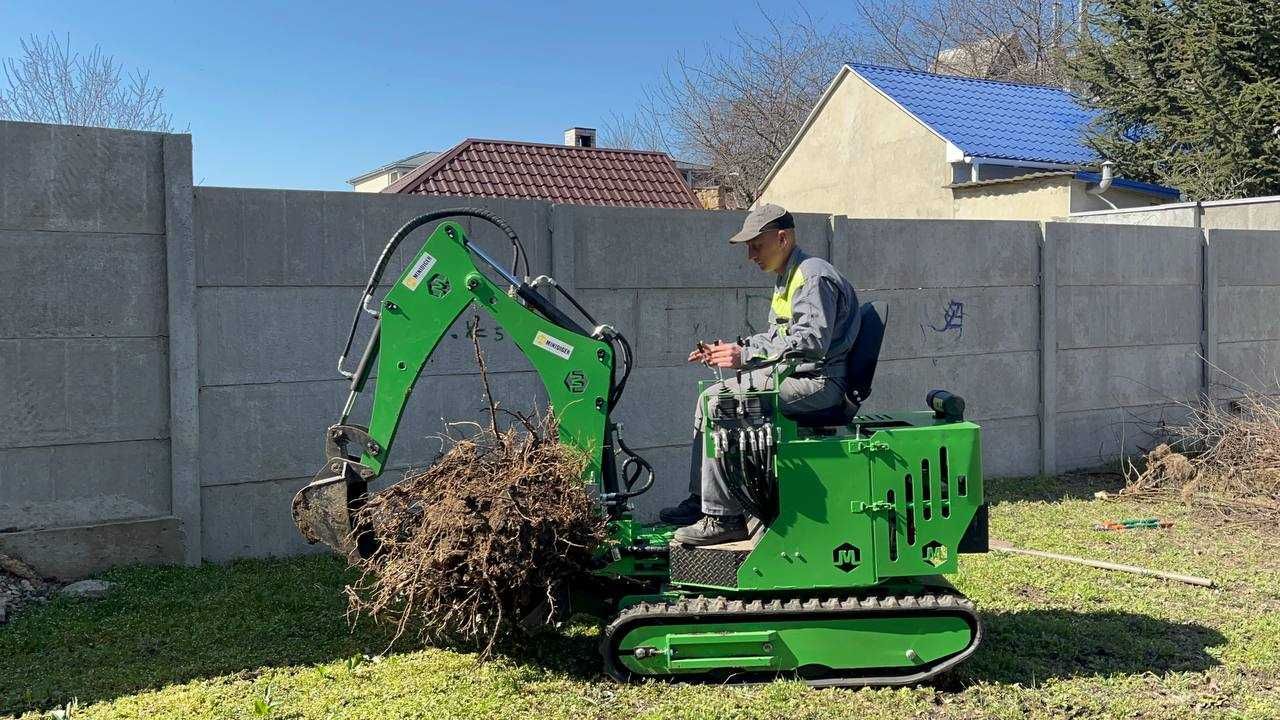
[{"x": 846, "y": 557}]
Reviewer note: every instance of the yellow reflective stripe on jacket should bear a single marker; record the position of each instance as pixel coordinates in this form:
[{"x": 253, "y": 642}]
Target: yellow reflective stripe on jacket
[{"x": 782, "y": 298}]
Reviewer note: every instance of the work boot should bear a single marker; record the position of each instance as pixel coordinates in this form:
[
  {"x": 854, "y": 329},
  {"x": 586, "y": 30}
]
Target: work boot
[
  {"x": 713, "y": 530},
  {"x": 686, "y": 513}
]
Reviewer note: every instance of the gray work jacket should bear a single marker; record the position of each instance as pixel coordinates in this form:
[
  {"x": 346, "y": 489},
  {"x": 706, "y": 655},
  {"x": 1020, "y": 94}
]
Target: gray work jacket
[{"x": 814, "y": 312}]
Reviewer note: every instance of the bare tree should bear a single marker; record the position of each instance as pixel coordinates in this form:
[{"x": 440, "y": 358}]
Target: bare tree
[
  {"x": 51, "y": 83},
  {"x": 1018, "y": 40},
  {"x": 737, "y": 108}
]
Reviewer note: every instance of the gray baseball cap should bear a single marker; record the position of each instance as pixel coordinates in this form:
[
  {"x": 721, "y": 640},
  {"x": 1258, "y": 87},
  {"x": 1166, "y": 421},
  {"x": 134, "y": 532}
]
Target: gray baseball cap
[{"x": 763, "y": 218}]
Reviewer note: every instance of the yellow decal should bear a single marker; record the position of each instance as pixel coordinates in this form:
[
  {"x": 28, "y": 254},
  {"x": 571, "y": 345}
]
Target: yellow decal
[
  {"x": 419, "y": 270},
  {"x": 552, "y": 345}
]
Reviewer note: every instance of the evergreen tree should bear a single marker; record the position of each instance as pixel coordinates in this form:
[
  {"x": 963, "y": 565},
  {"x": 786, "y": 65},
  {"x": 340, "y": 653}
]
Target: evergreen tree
[{"x": 1189, "y": 92}]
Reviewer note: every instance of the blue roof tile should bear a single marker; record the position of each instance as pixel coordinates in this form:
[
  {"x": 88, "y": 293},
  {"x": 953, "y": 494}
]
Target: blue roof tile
[{"x": 985, "y": 118}]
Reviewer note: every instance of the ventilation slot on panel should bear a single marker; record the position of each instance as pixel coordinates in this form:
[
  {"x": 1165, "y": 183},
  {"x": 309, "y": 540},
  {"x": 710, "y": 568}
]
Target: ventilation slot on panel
[
  {"x": 926, "y": 493},
  {"x": 893, "y": 528},
  {"x": 944, "y": 484},
  {"x": 962, "y": 486},
  {"x": 911, "y": 512}
]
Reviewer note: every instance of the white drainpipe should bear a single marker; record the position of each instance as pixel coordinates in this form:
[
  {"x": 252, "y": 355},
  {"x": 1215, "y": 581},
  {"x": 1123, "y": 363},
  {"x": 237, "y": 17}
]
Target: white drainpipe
[
  {"x": 1108, "y": 174},
  {"x": 1104, "y": 183}
]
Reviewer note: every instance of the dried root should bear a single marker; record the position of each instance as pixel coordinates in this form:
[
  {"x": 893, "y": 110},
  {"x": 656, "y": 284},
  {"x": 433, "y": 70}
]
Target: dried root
[
  {"x": 492, "y": 530},
  {"x": 471, "y": 545}
]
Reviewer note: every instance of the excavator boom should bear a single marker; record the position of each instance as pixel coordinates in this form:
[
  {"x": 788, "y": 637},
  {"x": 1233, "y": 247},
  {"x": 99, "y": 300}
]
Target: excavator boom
[{"x": 439, "y": 285}]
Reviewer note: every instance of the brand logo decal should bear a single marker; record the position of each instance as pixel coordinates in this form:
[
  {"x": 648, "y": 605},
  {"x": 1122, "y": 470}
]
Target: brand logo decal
[
  {"x": 556, "y": 347},
  {"x": 419, "y": 271},
  {"x": 576, "y": 381},
  {"x": 846, "y": 557}
]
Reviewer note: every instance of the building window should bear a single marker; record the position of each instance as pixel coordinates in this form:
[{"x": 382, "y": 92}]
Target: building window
[{"x": 393, "y": 176}]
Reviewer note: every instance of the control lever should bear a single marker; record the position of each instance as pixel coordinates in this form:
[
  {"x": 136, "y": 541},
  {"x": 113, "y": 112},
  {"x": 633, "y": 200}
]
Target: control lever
[
  {"x": 702, "y": 347},
  {"x": 719, "y": 371}
]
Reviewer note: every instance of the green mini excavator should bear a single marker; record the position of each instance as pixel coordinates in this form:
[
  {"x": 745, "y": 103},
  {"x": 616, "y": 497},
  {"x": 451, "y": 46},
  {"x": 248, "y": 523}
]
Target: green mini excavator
[{"x": 856, "y": 518}]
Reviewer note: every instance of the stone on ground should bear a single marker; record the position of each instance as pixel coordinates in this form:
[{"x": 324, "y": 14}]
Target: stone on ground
[{"x": 88, "y": 589}]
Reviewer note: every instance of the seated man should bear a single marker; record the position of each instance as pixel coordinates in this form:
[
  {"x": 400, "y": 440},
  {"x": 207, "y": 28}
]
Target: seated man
[{"x": 814, "y": 315}]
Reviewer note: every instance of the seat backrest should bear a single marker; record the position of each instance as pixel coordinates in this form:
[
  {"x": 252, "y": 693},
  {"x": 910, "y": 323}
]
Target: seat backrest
[{"x": 864, "y": 354}]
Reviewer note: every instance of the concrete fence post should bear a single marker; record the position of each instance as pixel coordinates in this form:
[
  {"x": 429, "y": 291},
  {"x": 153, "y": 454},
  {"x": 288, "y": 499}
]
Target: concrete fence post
[
  {"x": 563, "y": 248},
  {"x": 184, "y": 393},
  {"x": 1209, "y": 316},
  {"x": 830, "y": 226},
  {"x": 1048, "y": 278}
]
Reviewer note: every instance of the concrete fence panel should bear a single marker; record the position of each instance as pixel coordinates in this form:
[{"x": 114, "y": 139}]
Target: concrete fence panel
[
  {"x": 168, "y": 356},
  {"x": 280, "y": 275},
  {"x": 84, "y": 352},
  {"x": 1247, "y": 311},
  {"x": 963, "y": 315},
  {"x": 1128, "y": 326}
]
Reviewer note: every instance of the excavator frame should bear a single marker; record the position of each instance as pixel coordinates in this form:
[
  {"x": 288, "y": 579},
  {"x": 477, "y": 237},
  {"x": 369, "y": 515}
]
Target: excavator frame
[{"x": 841, "y": 581}]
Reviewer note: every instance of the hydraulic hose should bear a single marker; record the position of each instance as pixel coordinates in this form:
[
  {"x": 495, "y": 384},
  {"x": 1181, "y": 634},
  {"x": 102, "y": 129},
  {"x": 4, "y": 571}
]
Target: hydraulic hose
[
  {"x": 628, "y": 480},
  {"x": 517, "y": 254},
  {"x": 625, "y": 350},
  {"x": 574, "y": 301}
]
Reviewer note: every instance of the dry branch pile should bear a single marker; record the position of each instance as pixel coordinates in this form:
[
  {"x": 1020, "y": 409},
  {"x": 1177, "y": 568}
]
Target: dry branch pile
[
  {"x": 1229, "y": 461},
  {"x": 490, "y": 531}
]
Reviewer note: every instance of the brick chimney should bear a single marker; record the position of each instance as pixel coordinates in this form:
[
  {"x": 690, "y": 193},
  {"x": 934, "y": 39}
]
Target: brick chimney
[{"x": 580, "y": 137}]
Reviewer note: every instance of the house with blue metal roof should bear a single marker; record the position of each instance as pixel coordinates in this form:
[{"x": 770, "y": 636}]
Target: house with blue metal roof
[{"x": 888, "y": 142}]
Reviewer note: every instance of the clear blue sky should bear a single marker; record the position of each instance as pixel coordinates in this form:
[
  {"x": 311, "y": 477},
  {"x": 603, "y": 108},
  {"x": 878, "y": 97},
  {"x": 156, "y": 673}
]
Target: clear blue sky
[{"x": 308, "y": 94}]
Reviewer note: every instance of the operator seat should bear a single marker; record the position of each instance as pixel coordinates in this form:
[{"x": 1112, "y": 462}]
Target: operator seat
[{"x": 859, "y": 371}]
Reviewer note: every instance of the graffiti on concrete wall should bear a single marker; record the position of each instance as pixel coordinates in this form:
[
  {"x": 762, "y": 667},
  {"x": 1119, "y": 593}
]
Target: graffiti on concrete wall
[{"x": 950, "y": 320}]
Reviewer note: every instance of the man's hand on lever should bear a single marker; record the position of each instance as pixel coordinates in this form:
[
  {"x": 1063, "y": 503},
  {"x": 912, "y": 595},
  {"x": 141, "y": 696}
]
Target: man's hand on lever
[{"x": 720, "y": 355}]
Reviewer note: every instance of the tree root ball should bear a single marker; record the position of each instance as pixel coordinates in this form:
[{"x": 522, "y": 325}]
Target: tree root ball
[{"x": 469, "y": 547}]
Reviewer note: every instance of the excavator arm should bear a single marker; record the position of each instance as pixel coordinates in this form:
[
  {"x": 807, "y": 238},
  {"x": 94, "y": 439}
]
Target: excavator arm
[{"x": 576, "y": 366}]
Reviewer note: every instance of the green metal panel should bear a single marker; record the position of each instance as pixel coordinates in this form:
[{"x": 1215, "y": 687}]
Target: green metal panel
[
  {"x": 846, "y": 643},
  {"x": 816, "y": 541},
  {"x": 931, "y": 475},
  {"x": 888, "y": 496},
  {"x": 437, "y": 287}
]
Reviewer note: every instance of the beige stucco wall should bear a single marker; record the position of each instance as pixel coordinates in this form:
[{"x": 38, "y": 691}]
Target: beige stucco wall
[
  {"x": 1026, "y": 200},
  {"x": 864, "y": 157},
  {"x": 1082, "y": 201},
  {"x": 1256, "y": 214},
  {"x": 377, "y": 182},
  {"x": 1251, "y": 216},
  {"x": 1039, "y": 199},
  {"x": 1170, "y": 217}
]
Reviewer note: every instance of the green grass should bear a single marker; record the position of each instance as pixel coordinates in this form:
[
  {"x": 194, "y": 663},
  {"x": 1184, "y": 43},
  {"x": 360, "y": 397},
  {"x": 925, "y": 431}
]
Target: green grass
[{"x": 1062, "y": 641}]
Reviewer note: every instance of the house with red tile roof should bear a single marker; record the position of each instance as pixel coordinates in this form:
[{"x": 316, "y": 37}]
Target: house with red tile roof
[{"x": 571, "y": 174}]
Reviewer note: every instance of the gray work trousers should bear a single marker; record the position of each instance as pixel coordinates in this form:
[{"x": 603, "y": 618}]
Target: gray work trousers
[{"x": 796, "y": 395}]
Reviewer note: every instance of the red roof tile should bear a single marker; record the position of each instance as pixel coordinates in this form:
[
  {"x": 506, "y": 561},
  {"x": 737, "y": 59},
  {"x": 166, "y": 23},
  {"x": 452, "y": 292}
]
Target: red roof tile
[{"x": 559, "y": 173}]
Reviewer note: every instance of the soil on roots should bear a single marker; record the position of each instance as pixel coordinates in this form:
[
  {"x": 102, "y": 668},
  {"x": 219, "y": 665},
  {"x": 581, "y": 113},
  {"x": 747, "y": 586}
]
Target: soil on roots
[{"x": 470, "y": 547}]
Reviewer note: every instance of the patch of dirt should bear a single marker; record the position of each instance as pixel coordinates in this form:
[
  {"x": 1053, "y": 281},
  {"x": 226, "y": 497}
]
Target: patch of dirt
[{"x": 20, "y": 586}]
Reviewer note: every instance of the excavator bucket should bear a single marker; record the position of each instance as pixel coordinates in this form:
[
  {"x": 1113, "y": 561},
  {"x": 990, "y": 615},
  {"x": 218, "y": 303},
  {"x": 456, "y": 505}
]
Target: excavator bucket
[{"x": 323, "y": 509}]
